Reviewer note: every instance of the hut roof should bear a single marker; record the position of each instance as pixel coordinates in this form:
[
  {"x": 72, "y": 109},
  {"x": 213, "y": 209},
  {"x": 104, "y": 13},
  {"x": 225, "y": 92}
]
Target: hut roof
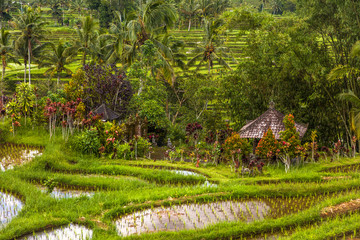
[
  {"x": 107, "y": 113},
  {"x": 270, "y": 119}
]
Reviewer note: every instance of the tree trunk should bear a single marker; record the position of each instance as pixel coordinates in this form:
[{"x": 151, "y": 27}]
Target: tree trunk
[
  {"x": 58, "y": 78},
  {"x": 84, "y": 59},
  {"x": 25, "y": 63},
  {"x": 3, "y": 70},
  {"x": 189, "y": 24},
  {"x": 29, "y": 56}
]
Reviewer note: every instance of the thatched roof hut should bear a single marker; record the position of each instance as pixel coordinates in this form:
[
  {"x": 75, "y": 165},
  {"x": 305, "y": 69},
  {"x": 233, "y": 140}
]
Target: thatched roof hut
[
  {"x": 106, "y": 113},
  {"x": 270, "y": 119}
]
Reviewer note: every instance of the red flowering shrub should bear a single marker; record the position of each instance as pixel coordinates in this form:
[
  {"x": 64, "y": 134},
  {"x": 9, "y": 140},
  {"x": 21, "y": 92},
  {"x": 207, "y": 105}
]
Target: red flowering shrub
[
  {"x": 290, "y": 137},
  {"x": 235, "y": 144},
  {"x": 267, "y": 146}
]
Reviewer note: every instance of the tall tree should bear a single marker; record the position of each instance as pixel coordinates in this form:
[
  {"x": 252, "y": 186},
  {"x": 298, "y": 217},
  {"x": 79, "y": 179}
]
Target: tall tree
[
  {"x": 6, "y": 51},
  {"x": 58, "y": 58},
  {"x": 152, "y": 18},
  {"x": 31, "y": 25},
  {"x": 86, "y": 35},
  {"x": 190, "y": 8},
  {"x": 116, "y": 39},
  {"x": 210, "y": 49},
  {"x": 21, "y": 51},
  {"x": 77, "y": 5}
]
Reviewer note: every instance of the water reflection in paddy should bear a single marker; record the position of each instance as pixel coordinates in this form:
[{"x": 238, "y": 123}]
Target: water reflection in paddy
[
  {"x": 190, "y": 216},
  {"x": 70, "y": 232},
  {"x": 10, "y": 206}
]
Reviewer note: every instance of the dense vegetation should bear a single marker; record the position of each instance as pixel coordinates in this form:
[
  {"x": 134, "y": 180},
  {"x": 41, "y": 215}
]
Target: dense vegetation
[{"x": 176, "y": 80}]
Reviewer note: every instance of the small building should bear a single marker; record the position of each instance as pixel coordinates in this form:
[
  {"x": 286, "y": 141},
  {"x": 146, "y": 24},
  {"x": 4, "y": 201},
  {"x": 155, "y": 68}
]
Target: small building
[
  {"x": 106, "y": 113},
  {"x": 270, "y": 119}
]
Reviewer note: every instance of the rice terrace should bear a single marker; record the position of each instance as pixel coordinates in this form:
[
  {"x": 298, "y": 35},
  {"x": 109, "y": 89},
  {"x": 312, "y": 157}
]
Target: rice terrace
[{"x": 179, "y": 119}]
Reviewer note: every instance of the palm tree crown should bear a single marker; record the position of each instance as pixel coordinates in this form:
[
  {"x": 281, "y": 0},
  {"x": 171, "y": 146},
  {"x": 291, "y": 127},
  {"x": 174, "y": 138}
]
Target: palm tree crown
[
  {"x": 59, "y": 57},
  {"x": 86, "y": 34},
  {"x": 32, "y": 30}
]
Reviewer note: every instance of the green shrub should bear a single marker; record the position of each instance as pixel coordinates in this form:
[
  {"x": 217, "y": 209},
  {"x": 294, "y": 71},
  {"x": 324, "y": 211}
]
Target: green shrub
[
  {"x": 87, "y": 142},
  {"x": 141, "y": 145},
  {"x": 123, "y": 151}
]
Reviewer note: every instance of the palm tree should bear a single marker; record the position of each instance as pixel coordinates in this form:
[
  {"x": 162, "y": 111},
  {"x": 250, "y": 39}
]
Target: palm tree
[
  {"x": 152, "y": 17},
  {"x": 205, "y": 7},
  {"x": 351, "y": 74},
  {"x": 116, "y": 39},
  {"x": 350, "y": 97},
  {"x": 277, "y": 7},
  {"x": 32, "y": 30},
  {"x": 87, "y": 35},
  {"x": 21, "y": 51},
  {"x": 6, "y": 50},
  {"x": 99, "y": 49},
  {"x": 151, "y": 21},
  {"x": 190, "y": 8},
  {"x": 208, "y": 51},
  {"x": 59, "y": 57},
  {"x": 78, "y": 5},
  {"x": 219, "y": 6},
  {"x": 348, "y": 71}
]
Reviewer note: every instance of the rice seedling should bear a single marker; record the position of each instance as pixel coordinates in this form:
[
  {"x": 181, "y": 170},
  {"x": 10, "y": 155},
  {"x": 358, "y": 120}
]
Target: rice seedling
[
  {"x": 61, "y": 193},
  {"x": 16, "y": 154},
  {"x": 70, "y": 232},
  {"x": 189, "y": 216},
  {"x": 10, "y": 207}
]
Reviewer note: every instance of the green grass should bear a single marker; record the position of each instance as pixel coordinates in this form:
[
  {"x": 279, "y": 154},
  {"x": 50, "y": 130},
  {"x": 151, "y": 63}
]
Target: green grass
[{"x": 124, "y": 187}]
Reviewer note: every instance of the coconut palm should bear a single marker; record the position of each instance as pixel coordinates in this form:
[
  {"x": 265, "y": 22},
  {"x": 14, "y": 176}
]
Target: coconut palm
[
  {"x": 116, "y": 39},
  {"x": 277, "y": 7},
  {"x": 60, "y": 55},
  {"x": 21, "y": 51},
  {"x": 219, "y": 6},
  {"x": 190, "y": 8},
  {"x": 99, "y": 49},
  {"x": 348, "y": 71},
  {"x": 6, "y": 51},
  {"x": 209, "y": 50},
  {"x": 31, "y": 25},
  {"x": 77, "y": 5},
  {"x": 86, "y": 35},
  {"x": 152, "y": 18},
  {"x": 205, "y": 7},
  {"x": 351, "y": 97}
]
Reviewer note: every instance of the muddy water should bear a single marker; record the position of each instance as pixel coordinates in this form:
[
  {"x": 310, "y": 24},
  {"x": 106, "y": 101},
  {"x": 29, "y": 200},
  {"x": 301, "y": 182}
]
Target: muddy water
[
  {"x": 66, "y": 193},
  {"x": 9, "y": 207},
  {"x": 193, "y": 216},
  {"x": 190, "y": 173},
  {"x": 60, "y": 193},
  {"x": 190, "y": 216},
  {"x": 14, "y": 155},
  {"x": 70, "y": 232}
]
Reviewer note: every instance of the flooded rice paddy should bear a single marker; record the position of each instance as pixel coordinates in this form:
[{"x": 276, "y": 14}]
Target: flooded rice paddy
[
  {"x": 197, "y": 216},
  {"x": 190, "y": 173},
  {"x": 190, "y": 216},
  {"x": 70, "y": 232},
  {"x": 16, "y": 154},
  {"x": 62, "y": 193},
  {"x": 10, "y": 207},
  {"x": 67, "y": 193}
]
